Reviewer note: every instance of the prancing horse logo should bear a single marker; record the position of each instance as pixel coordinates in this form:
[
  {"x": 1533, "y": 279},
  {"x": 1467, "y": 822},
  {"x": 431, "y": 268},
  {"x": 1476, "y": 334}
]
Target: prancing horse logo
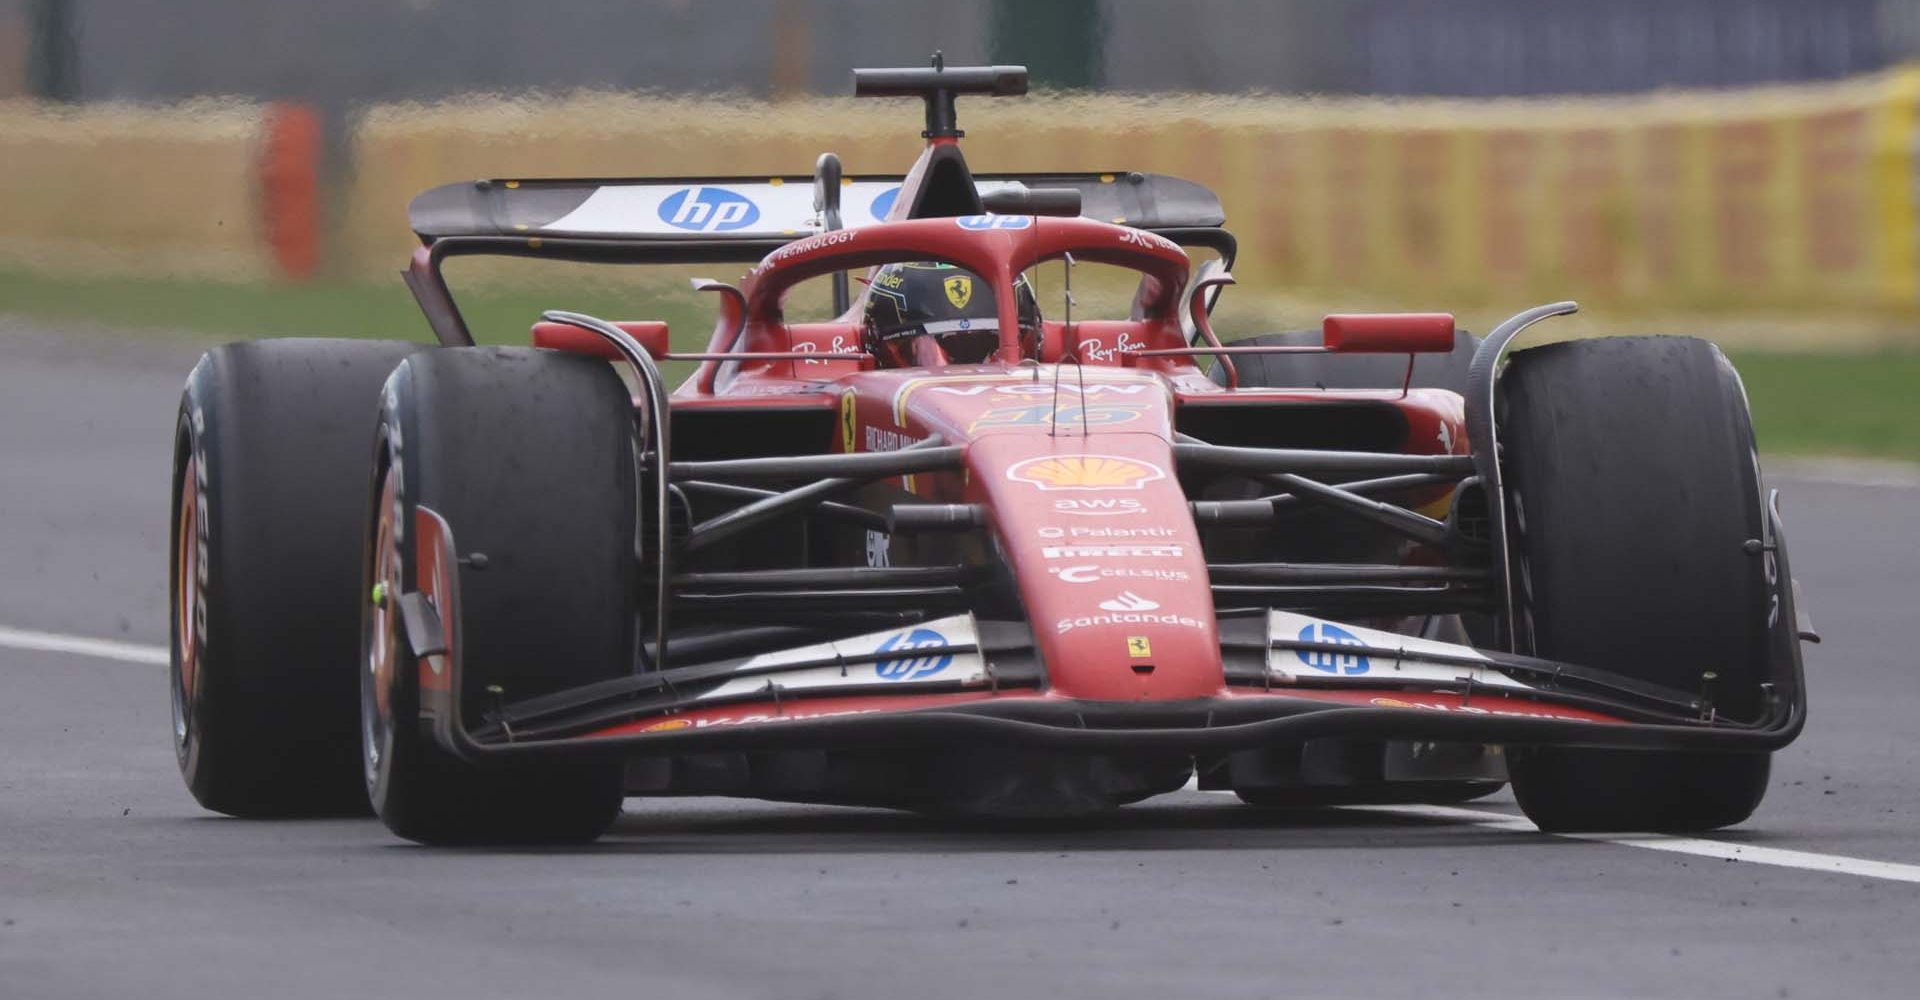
[{"x": 959, "y": 291}]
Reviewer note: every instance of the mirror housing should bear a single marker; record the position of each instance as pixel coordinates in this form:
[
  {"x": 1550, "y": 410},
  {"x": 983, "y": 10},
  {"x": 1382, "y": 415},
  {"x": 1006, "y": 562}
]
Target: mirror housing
[
  {"x": 651, "y": 335},
  {"x": 1019, "y": 199},
  {"x": 1388, "y": 333}
]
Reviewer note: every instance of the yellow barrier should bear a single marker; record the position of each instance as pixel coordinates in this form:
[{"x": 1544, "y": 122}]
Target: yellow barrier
[
  {"x": 1789, "y": 198},
  {"x": 1778, "y": 198},
  {"x": 131, "y": 190}
]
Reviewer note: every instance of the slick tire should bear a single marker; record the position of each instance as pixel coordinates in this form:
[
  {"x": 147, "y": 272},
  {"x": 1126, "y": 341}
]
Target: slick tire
[
  {"x": 529, "y": 456},
  {"x": 1348, "y": 371},
  {"x": 269, "y": 494},
  {"x": 1632, "y": 486}
]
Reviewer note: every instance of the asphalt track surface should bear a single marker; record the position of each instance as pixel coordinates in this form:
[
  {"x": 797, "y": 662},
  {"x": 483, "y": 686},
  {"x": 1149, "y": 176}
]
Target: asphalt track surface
[{"x": 114, "y": 883}]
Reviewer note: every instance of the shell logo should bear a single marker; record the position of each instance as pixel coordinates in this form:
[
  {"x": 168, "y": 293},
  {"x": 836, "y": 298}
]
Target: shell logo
[
  {"x": 1085, "y": 472},
  {"x": 665, "y": 725}
]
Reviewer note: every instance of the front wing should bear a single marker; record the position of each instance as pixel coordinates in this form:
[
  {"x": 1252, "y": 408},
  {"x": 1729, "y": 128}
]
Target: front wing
[{"x": 958, "y": 680}]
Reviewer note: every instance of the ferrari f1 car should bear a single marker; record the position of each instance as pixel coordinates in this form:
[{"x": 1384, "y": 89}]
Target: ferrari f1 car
[{"x": 949, "y": 554}]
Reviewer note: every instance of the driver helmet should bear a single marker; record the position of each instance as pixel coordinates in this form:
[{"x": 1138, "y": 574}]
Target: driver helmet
[{"x": 951, "y": 304}]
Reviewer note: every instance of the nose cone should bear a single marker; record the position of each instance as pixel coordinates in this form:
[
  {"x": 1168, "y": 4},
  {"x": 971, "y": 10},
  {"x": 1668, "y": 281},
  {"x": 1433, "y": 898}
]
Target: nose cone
[{"x": 1108, "y": 562}]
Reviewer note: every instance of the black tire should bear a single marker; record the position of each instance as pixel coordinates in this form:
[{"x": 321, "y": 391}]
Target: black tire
[
  {"x": 1348, "y": 371},
  {"x": 529, "y": 456},
  {"x": 1632, "y": 484},
  {"x": 269, "y": 479}
]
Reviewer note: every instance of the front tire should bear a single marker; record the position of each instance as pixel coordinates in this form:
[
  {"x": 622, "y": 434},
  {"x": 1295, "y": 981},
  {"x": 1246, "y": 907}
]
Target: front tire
[
  {"x": 529, "y": 457},
  {"x": 1633, "y": 486}
]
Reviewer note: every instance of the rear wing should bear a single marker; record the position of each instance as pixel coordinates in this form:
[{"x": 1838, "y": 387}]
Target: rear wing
[
  {"x": 762, "y": 209},
  {"x": 713, "y": 220}
]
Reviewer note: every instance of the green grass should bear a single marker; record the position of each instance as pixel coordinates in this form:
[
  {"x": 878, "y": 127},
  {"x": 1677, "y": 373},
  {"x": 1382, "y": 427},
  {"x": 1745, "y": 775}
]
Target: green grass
[
  {"x": 1816, "y": 403},
  {"x": 384, "y": 310},
  {"x": 1865, "y": 405},
  {"x": 323, "y": 308}
]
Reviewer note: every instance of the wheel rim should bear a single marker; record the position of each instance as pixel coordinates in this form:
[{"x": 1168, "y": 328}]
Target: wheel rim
[
  {"x": 381, "y": 642},
  {"x": 186, "y": 611}
]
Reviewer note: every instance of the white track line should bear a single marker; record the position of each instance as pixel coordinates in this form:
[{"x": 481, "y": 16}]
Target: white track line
[
  {"x": 1843, "y": 471},
  {"x": 1832, "y": 864},
  {"x": 105, "y": 649}
]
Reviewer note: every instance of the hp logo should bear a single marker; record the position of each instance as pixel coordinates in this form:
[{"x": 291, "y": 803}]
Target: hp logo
[
  {"x": 982, "y": 222},
  {"x": 708, "y": 210},
  {"x": 884, "y": 203},
  {"x": 1327, "y": 661},
  {"x": 913, "y": 668}
]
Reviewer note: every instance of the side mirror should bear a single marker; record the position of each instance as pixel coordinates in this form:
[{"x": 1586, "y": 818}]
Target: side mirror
[
  {"x": 1213, "y": 277},
  {"x": 651, "y": 334},
  {"x": 1388, "y": 333}
]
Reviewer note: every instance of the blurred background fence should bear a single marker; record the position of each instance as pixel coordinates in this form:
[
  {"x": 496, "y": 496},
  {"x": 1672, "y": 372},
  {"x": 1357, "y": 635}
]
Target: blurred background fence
[
  {"x": 1696, "y": 155},
  {"x": 1795, "y": 197}
]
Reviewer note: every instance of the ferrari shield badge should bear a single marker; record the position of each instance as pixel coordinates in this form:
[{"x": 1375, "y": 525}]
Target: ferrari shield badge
[
  {"x": 959, "y": 291},
  {"x": 847, "y": 422}
]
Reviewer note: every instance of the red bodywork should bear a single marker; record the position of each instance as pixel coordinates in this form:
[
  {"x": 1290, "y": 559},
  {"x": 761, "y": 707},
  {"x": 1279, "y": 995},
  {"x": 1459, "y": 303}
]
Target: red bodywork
[
  {"x": 1098, "y": 575},
  {"x": 1072, "y": 457}
]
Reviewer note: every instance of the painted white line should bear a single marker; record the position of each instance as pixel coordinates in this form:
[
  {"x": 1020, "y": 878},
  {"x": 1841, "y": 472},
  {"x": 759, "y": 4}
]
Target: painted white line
[
  {"x": 105, "y": 649},
  {"x": 1478, "y": 817},
  {"x": 1834, "y": 864},
  {"x": 1889, "y": 473}
]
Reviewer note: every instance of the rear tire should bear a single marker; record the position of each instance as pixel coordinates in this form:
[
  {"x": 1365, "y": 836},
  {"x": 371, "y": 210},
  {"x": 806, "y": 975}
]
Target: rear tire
[
  {"x": 529, "y": 456},
  {"x": 1632, "y": 484},
  {"x": 270, "y": 465}
]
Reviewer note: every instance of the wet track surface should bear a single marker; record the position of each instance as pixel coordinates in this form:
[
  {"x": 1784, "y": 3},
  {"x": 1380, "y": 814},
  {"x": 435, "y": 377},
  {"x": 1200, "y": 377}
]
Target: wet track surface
[{"x": 114, "y": 883}]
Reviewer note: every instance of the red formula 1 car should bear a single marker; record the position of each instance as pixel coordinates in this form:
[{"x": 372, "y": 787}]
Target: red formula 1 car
[{"x": 944, "y": 551}]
